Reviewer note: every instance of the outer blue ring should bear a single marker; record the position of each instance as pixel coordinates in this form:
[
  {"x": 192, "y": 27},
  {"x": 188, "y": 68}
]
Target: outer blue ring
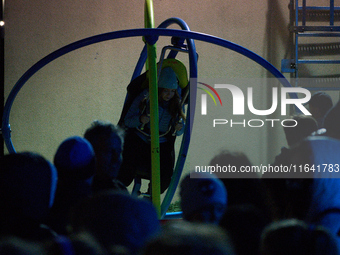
[
  {"x": 123, "y": 34},
  {"x": 135, "y": 33}
]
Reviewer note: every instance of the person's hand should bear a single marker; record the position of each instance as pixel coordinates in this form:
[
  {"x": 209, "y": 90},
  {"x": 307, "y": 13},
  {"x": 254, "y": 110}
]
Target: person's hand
[
  {"x": 144, "y": 119},
  {"x": 178, "y": 126}
]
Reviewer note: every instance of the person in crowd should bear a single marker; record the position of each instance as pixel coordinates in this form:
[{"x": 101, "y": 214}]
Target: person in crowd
[
  {"x": 137, "y": 150},
  {"x": 190, "y": 238},
  {"x": 76, "y": 165},
  {"x": 319, "y": 104},
  {"x": 17, "y": 246},
  {"x": 297, "y": 129},
  {"x": 116, "y": 220},
  {"x": 76, "y": 244},
  {"x": 292, "y": 236},
  {"x": 242, "y": 187},
  {"x": 314, "y": 195},
  {"x": 27, "y": 188},
  {"x": 244, "y": 223},
  {"x": 107, "y": 141},
  {"x": 332, "y": 122},
  {"x": 203, "y": 198}
]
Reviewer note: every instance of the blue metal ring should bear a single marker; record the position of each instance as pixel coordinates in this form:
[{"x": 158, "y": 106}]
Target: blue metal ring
[
  {"x": 123, "y": 34},
  {"x": 134, "y": 33}
]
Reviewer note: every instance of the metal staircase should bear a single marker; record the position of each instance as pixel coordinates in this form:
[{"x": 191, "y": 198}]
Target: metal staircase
[{"x": 316, "y": 42}]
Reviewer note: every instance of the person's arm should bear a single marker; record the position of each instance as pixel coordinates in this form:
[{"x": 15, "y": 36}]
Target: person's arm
[
  {"x": 179, "y": 127},
  {"x": 134, "y": 117}
]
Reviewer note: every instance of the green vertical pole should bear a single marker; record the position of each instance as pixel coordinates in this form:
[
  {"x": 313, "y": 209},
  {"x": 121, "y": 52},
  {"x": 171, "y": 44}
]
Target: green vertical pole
[{"x": 154, "y": 118}]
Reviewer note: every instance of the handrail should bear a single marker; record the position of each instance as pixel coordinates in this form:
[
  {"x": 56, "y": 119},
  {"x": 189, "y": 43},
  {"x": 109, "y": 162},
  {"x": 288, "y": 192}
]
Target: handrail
[{"x": 304, "y": 8}]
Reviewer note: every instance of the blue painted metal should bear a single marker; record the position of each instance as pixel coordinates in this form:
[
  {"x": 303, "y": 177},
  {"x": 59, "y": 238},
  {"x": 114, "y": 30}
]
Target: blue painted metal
[
  {"x": 296, "y": 67},
  {"x": 303, "y": 12},
  {"x": 190, "y": 115},
  {"x": 287, "y": 65},
  {"x": 319, "y": 8},
  {"x": 304, "y": 30},
  {"x": 142, "y": 59},
  {"x": 331, "y": 18},
  {"x": 173, "y": 215},
  {"x": 323, "y": 34},
  {"x": 318, "y": 61}
]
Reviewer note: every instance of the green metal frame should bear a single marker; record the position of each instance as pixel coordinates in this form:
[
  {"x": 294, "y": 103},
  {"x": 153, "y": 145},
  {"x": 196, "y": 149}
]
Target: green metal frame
[{"x": 154, "y": 118}]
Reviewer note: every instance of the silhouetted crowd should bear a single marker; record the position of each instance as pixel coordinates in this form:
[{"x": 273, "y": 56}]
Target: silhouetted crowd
[{"x": 77, "y": 204}]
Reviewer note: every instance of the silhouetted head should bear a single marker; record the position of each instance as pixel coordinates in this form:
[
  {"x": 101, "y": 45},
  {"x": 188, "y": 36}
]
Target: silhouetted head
[
  {"x": 75, "y": 159},
  {"x": 115, "y": 218},
  {"x": 297, "y": 237},
  {"x": 319, "y": 104},
  {"x": 332, "y": 122},
  {"x": 203, "y": 197},
  {"x": 107, "y": 141},
  {"x": 27, "y": 185},
  {"x": 300, "y": 127}
]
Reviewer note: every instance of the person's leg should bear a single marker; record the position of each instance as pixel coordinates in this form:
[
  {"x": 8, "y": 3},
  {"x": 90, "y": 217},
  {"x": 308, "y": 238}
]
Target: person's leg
[
  {"x": 133, "y": 156},
  {"x": 167, "y": 162}
]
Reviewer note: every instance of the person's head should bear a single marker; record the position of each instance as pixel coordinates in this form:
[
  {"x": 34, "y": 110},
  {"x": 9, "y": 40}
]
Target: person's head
[
  {"x": 242, "y": 187},
  {"x": 244, "y": 223},
  {"x": 17, "y": 246},
  {"x": 27, "y": 185},
  {"x": 167, "y": 94},
  {"x": 297, "y": 237},
  {"x": 203, "y": 198},
  {"x": 319, "y": 104},
  {"x": 75, "y": 159},
  {"x": 77, "y": 243},
  {"x": 299, "y": 128},
  {"x": 235, "y": 159},
  {"x": 314, "y": 191},
  {"x": 332, "y": 122},
  {"x": 189, "y": 239},
  {"x": 116, "y": 219},
  {"x": 107, "y": 141},
  {"x": 167, "y": 84}
]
